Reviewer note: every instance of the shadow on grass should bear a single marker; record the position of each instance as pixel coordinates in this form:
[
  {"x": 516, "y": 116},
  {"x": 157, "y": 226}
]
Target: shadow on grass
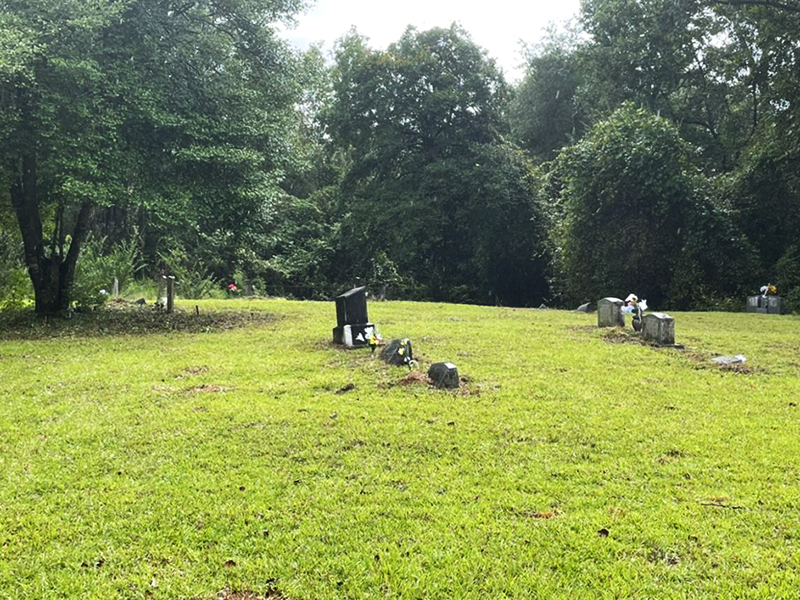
[{"x": 123, "y": 318}]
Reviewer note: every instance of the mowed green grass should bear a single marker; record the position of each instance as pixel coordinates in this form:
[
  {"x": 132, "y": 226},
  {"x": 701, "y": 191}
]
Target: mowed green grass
[{"x": 180, "y": 466}]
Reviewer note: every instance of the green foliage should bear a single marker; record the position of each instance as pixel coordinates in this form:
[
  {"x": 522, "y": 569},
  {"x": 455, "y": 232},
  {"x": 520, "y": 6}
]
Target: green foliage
[
  {"x": 765, "y": 194},
  {"x": 94, "y": 276},
  {"x": 432, "y": 187},
  {"x": 15, "y": 286},
  {"x": 545, "y": 114},
  {"x": 192, "y": 277},
  {"x": 182, "y": 110},
  {"x": 787, "y": 272},
  {"x": 638, "y": 217},
  {"x": 292, "y": 254},
  {"x": 125, "y": 261},
  {"x": 98, "y": 267}
]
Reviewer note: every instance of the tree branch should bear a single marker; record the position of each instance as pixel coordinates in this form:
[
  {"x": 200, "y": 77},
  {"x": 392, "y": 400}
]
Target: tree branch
[
  {"x": 66, "y": 275},
  {"x": 26, "y": 207},
  {"x": 794, "y": 8}
]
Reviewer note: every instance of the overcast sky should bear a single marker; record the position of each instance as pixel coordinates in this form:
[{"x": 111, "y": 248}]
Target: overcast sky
[{"x": 496, "y": 25}]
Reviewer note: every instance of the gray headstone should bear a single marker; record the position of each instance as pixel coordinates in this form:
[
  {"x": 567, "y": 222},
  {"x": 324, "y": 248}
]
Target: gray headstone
[
  {"x": 754, "y": 304},
  {"x": 609, "y": 313},
  {"x": 397, "y": 352},
  {"x": 444, "y": 375},
  {"x": 659, "y": 327},
  {"x": 770, "y": 305},
  {"x": 586, "y": 308}
]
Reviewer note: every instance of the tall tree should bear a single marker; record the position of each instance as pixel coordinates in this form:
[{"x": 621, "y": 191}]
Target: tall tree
[
  {"x": 179, "y": 106},
  {"x": 432, "y": 186},
  {"x": 637, "y": 217},
  {"x": 546, "y": 112}
]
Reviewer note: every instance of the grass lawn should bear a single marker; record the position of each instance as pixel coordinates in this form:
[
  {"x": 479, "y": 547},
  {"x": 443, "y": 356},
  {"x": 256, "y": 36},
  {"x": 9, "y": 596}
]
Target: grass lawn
[{"x": 570, "y": 465}]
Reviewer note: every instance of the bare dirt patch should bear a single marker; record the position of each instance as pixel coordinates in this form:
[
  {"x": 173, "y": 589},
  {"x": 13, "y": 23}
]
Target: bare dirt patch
[
  {"x": 188, "y": 371},
  {"x": 121, "y": 317},
  {"x": 415, "y": 378},
  {"x": 248, "y": 595},
  {"x": 739, "y": 368},
  {"x": 210, "y": 388}
]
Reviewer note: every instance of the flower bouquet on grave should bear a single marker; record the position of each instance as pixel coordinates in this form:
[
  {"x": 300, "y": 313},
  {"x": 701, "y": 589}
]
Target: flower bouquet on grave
[
  {"x": 373, "y": 337},
  {"x": 635, "y": 307},
  {"x": 768, "y": 290}
]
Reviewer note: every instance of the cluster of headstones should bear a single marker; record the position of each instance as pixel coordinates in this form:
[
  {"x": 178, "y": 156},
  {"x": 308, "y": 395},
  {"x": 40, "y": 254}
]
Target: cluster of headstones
[
  {"x": 770, "y": 305},
  {"x": 354, "y": 330},
  {"x": 658, "y": 327}
]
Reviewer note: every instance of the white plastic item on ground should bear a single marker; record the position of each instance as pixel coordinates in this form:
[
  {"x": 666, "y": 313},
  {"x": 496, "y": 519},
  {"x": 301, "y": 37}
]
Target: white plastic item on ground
[{"x": 729, "y": 360}]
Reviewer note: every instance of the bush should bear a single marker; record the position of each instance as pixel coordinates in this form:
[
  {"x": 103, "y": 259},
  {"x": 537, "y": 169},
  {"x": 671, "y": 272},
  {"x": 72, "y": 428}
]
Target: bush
[
  {"x": 15, "y": 285},
  {"x": 787, "y": 270},
  {"x": 192, "y": 278},
  {"x": 93, "y": 278},
  {"x": 96, "y": 271}
]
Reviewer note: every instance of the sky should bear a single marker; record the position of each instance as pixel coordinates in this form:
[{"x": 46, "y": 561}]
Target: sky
[{"x": 498, "y": 25}]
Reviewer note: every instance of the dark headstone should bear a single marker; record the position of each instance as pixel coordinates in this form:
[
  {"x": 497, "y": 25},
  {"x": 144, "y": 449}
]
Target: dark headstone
[
  {"x": 351, "y": 307},
  {"x": 352, "y": 323},
  {"x": 353, "y": 335},
  {"x": 444, "y": 375},
  {"x": 586, "y": 308},
  {"x": 141, "y": 302},
  {"x": 397, "y": 352}
]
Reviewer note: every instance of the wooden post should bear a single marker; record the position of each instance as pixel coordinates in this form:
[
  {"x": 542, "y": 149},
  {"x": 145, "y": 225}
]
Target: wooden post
[{"x": 170, "y": 293}]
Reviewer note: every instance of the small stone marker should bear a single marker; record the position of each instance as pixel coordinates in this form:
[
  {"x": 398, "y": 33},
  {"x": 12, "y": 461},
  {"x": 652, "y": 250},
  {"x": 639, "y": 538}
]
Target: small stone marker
[
  {"x": 398, "y": 352},
  {"x": 115, "y": 289},
  {"x": 609, "y": 313},
  {"x": 444, "y": 375},
  {"x": 352, "y": 323},
  {"x": 161, "y": 297},
  {"x": 659, "y": 327},
  {"x": 586, "y": 308}
]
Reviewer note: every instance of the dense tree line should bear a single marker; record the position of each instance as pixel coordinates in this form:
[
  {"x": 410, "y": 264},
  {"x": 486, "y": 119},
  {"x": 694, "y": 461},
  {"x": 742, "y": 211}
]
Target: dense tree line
[{"x": 653, "y": 148}]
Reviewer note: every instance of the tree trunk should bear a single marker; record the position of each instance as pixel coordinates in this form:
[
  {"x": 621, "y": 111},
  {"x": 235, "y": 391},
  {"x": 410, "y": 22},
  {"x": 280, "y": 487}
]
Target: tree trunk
[{"x": 52, "y": 275}]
